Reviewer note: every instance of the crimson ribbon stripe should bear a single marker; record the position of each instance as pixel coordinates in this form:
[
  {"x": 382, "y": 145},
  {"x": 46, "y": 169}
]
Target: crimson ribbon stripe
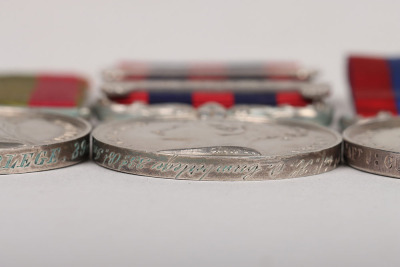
[
  {"x": 372, "y": 81},
  {"x": 55, "y": 91}
]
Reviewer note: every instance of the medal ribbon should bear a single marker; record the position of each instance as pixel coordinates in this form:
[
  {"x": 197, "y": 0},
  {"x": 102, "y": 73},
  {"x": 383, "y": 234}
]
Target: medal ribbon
[
  {"x": 375, "y": 84},
  {"x": 136, "y": 71},
  {"x": 43, "y": 90},
  {"x": 227, "y": 99}
]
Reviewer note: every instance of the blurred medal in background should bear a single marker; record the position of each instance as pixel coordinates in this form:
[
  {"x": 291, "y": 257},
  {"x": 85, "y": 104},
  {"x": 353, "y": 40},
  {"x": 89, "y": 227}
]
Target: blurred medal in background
[{"x": 271, "y": 90}]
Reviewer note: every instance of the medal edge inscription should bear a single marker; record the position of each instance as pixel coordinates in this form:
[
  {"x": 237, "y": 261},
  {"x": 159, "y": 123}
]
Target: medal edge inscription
[
  {"x": 214, "y": 168},
  {"x": 44, "y": 157},
  {"x": 372, "y": 160},
  {"x": 63, "y": 151}
]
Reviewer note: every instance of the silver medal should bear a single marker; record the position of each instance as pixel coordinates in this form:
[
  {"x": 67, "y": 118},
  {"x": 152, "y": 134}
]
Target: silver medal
[
  {"x": 37, "y": 141},
  {"x": 216, "y": 149},
  {"x": 374, "y": 146}
]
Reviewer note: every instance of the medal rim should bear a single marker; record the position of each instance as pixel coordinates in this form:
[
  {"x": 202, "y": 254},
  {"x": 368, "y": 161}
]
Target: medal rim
[
  {"x": 352, "y": 155},
  {"x": 68, "y": 146},
  {"x": 333, "y": 151}
]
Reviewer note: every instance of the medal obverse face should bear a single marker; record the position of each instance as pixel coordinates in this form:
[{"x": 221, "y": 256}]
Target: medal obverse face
[
  {"x": 35, "y": 141},
  {"x": 213, "y": 149},
  {"x": 374, "y": 146}
]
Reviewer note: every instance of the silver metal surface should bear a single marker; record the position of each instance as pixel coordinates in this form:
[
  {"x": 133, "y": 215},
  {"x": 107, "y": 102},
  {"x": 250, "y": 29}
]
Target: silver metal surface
[
  {"x": 216, "y": 149},
  {"x": 374, "y": 146},
  {"x": 106, "y": 110},
  {"x": 37, "y": 141},
  {"x": 320, "y": 113},
  {"x": 314, "y": 91},
  {"x": 347, "y": 121}
]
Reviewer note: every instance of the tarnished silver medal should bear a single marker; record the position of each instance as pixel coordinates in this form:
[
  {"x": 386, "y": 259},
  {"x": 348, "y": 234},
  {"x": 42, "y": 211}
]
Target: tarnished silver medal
[
  {"x": 374, "y": 146},
  {"x": 36, "y": 141},
  {"x": 216, "y": 148}
]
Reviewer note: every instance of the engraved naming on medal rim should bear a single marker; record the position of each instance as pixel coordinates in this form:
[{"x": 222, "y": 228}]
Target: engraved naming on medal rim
[
  {"x": 36, "y": 141},
  {"x": 214, "y": 149},
  {"x": 374, "y": 147}
]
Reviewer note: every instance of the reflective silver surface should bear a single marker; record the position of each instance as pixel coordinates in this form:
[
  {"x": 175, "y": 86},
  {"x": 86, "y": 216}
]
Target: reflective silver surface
[
  {"x": 347, "y": 121},
  {"x": 320, "y": 113},
  {"x": 216, "y": 149},
  {"x": 35, "y": 141},
  {"x": 374, "y": 146}
]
